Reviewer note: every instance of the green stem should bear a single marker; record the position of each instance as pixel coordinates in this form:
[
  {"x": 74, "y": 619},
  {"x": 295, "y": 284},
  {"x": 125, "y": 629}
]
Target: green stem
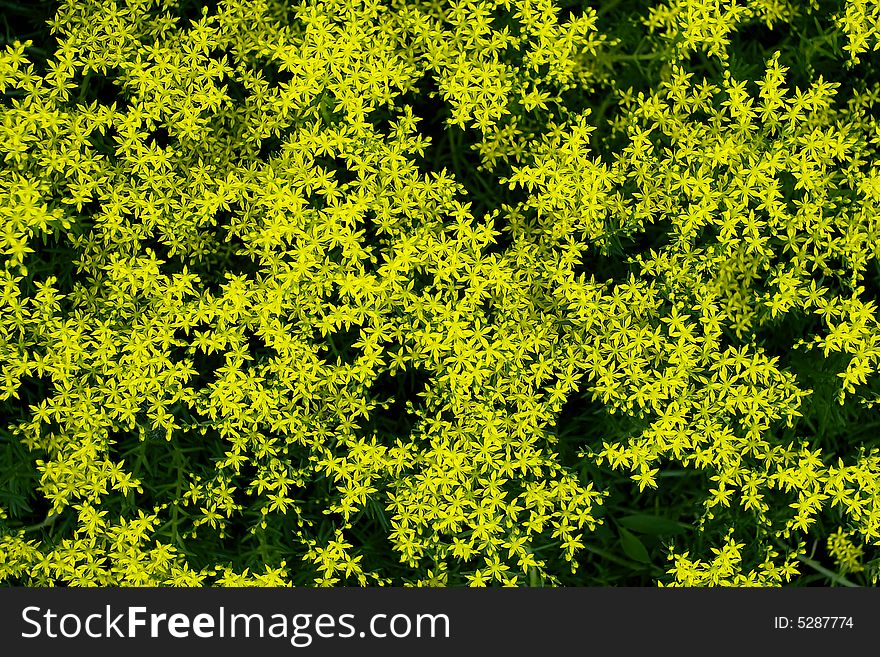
[
  {"x": 48, "y": 521},
  {"x": 830, "y": 574}
]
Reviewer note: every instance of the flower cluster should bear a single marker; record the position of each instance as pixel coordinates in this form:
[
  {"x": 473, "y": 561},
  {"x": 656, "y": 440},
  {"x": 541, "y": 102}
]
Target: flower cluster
[{"x": 433, "y": 293}]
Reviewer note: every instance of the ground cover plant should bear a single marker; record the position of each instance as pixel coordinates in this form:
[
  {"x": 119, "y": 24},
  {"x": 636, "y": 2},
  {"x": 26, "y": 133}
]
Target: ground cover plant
[{"x": 486, "y": 292}]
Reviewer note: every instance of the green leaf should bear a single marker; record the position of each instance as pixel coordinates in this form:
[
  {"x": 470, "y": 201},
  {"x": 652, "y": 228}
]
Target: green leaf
[
  {"x": 644, "y": 523},
  {"x": 633, "y": 547}
]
